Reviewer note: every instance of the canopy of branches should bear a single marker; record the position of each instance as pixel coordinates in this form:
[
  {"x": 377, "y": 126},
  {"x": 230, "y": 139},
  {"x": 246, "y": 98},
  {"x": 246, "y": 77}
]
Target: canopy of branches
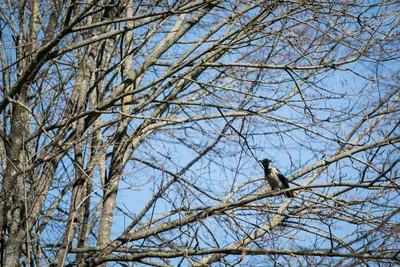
[{"x": 131, "y": 130}]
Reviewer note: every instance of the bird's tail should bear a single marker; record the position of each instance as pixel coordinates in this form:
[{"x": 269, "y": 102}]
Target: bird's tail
[{"x": 289, "y": 194}]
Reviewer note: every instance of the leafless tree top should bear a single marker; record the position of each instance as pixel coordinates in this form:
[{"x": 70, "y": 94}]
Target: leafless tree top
[{"x": 131, "y": 130}]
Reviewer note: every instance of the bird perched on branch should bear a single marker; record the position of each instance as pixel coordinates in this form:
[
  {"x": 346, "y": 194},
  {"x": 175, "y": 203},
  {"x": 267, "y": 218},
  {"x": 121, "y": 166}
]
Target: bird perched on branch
[{"x": 275, "y": 178}]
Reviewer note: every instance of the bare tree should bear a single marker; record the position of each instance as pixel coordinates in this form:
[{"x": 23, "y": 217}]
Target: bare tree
[{"x": 131, "y": 132}]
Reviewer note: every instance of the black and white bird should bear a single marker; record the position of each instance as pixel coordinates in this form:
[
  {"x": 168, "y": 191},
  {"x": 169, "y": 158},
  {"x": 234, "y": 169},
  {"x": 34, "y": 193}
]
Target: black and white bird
[{"x": 275, "y": 178}]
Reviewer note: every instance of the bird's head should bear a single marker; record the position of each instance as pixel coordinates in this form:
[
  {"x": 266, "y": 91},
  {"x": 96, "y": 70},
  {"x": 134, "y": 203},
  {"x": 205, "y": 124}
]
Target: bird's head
[{"x": 265, "y": 162}]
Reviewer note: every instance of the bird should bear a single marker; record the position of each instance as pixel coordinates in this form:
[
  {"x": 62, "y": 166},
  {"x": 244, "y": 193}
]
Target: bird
[{"x": 275, "y": 178}]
